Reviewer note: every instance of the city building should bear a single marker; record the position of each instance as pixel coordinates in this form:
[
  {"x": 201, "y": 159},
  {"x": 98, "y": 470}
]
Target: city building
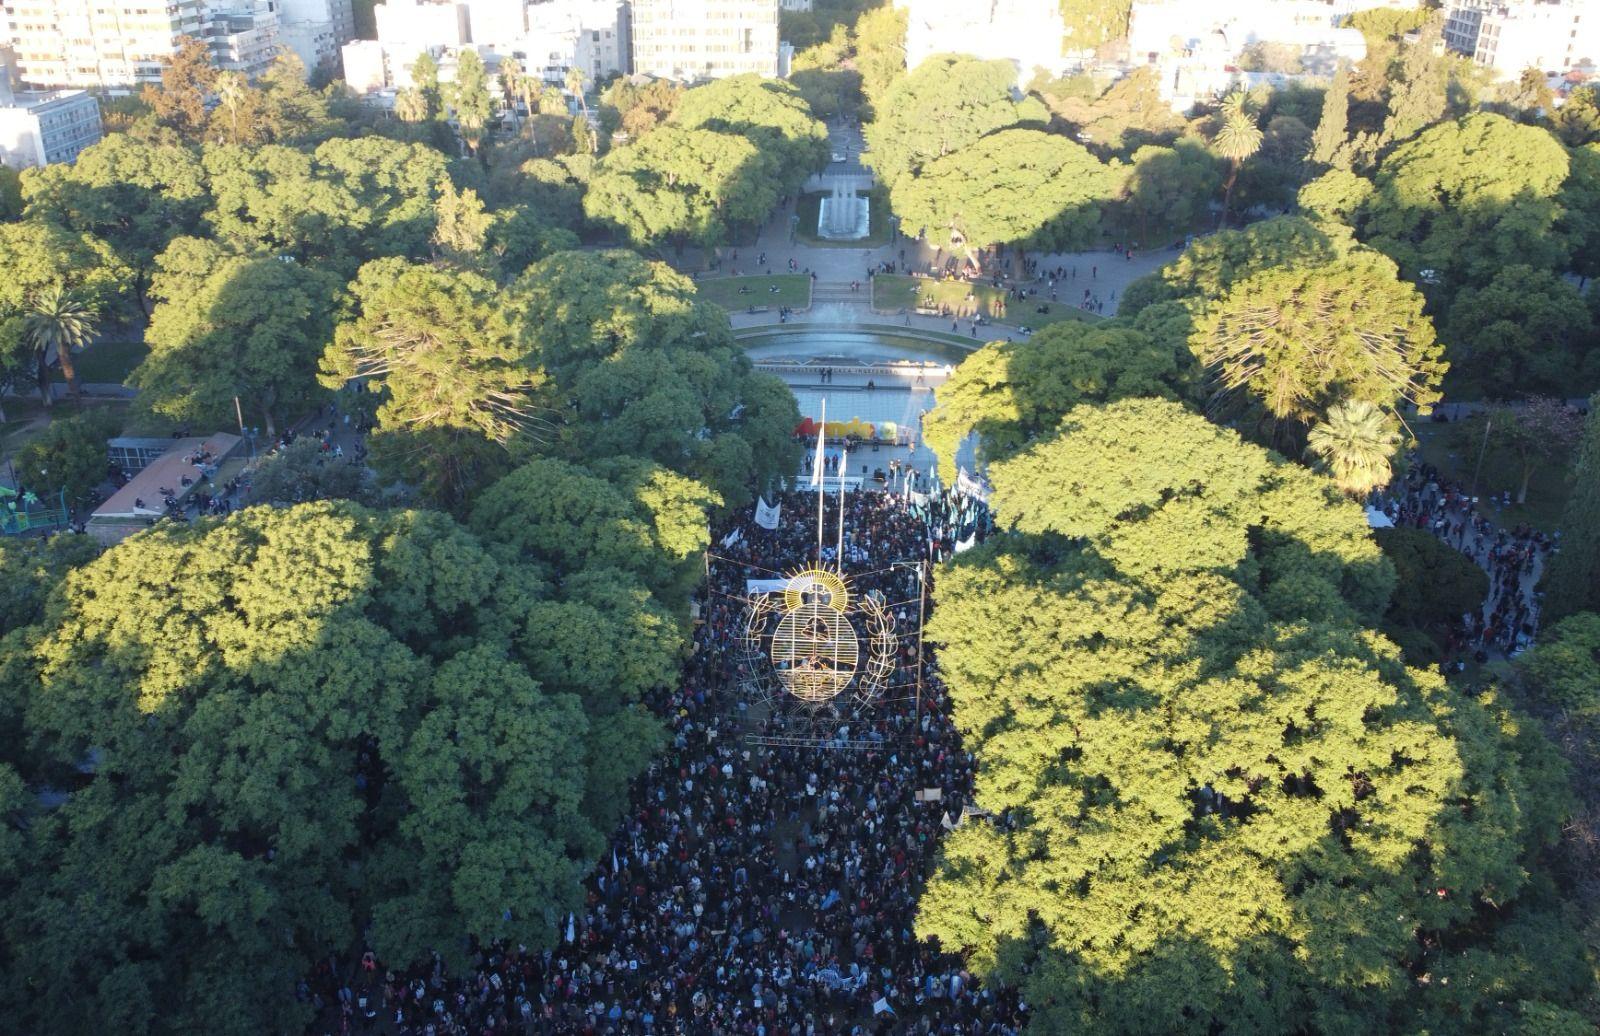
[
  {"x": 1510, "y": 38},
  {"x": 243, "y": 39},
  {"x": 493, "y": 24},
  {"x": 315, "y": 30},
  {"x": 694, "y": 40},
  {"x": 1202, "y": 50},
  {"x": 366, "y": 65},
  {"x": 114, "y": 44},
  {"x": 407, "y": 28},
  {"x": 591, "y": 35},
  {"x": 1028, "y": 33},
  {"x": 40, "y": 128}
]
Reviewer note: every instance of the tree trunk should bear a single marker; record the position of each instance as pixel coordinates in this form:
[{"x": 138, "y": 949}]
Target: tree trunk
[
  {"x": 1227, "y": 193},
  {"x": 43, "y": 375},
  {"x": 68, "y": 370}
]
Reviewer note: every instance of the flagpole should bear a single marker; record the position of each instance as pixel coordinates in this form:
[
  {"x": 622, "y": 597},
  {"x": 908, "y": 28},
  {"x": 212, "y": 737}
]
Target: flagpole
[
  {"x": 843, "y": 459},
  {"x": 822, "y": 431}
]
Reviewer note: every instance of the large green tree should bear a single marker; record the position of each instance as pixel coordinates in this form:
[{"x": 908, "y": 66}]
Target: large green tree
[
  {"x": 133, "y": 194},
  {"x": 944, "y": 104},
  {"x": 347, "y": 201},
  {"x": 443, "y": 352},
  {"x": 1017, "y": 186},
  {"x": 46, "y": 265},
  {"x": 229, "y": 326},
  {"x": 641, "y": 366},
  {"x": 1220, "y": 801},
  {"x": 1464, "y": 199},
  {"x": 678, "y": 186},
  {"x": 1299, "y": 339},
  {"x": 290, "y": 730},
  {"x": 1012, "y": 393},
  {"x": 770, "y": 113},
  {"x": 1526, "y": 330}
]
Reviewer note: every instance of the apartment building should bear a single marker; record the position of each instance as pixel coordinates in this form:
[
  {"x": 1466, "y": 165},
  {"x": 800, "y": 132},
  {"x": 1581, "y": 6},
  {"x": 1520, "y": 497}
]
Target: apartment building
[
  {"x": 590, "y": 35},
  {"x": 244, "y": 38},
  {"x": 1513, "y": 37},
  {"x": 695, "y": 40},
  {"x": 40, "y": 128},
  {"x": 116, "y": 44}
]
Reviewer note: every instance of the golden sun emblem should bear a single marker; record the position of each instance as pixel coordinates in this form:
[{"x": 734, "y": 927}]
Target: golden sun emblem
[{"x": 814, "y": 648}]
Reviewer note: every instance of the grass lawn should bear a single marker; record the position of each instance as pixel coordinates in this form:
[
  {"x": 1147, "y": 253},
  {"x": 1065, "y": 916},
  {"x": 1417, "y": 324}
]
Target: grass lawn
[
  {"x": 892, "y": 293},
  {"x": 794, "y": 290},
  {"x": 809, "y": 207},
  {"x": 108, "y": 361},
  {"x": 1453, "y": 448}
]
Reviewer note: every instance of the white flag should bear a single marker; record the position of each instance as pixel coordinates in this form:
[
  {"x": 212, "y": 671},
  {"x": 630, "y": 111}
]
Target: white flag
[
  {"x": 816, "y": 467},
  {"x": 972, "y": 486},
  {"x": 767, "y": 514},
  {"x": 966, "y": 544}
]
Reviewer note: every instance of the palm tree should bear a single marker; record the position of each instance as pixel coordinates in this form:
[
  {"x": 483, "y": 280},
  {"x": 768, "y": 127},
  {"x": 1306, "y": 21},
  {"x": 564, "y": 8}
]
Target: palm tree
[
  {"x": 575, "y": 80},
  {"x": 551, "y": 102},
  {"x": 57, "y": 320},
  {"x": 1354, "y": 444},
  {"x": 1237, "y": 139},
  {"x": 410, "y": 105},
  {"x": 511, "y": 80}
]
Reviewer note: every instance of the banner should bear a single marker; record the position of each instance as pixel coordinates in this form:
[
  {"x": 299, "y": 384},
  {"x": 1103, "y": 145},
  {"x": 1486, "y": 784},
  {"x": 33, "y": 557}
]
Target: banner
[
  {"x": 971, "y": 485},
  {"x": 767, "y": 514},
  {"x": 765, "y": 586},
  {"x": 733, "y": 537},
  {"x": 966, "y": 544}
]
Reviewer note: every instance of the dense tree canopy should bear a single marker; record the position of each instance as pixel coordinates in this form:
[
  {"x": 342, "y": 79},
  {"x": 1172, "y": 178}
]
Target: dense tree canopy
[
  {"x": 135, "y": 195},
  {"x": 676, "y": 186},
  {"x": 1232, "y": 807},
  {"x": 1301, "y": 338},
  {"x": 445, "y": 357},
  {"x": 1526, "y": 330},
  {"x": 1011, "y": 393},
  {"x": 228, "y": 325},
  {"x": 640, "y": 366},
  {"x": 1017, "y": 186},
  {"x": 1574, "y": 573},
  {"x": 941, "y": 106},
  {"x": 370, "y": 695},
  {"x": 349, "y": 200},
  {"x": 1468, "y": 197},
  {"x": 770, "y": 113}
]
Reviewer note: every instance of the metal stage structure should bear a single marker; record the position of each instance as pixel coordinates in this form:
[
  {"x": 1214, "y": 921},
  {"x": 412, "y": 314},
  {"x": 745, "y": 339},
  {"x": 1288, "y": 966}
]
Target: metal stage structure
[{"x": 818, "y": 649}]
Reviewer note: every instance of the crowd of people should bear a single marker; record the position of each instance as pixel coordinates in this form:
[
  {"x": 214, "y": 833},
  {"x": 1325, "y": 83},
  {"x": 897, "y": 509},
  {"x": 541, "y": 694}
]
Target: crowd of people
[
  {"x": 1508, "y": 620},
  {"x": 752, "y": 888}
]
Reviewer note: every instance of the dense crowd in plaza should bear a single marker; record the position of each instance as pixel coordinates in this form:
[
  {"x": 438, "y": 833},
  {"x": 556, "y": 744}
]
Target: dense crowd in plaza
[
  {"x": 750, "y": 889},
  {"x": 1508, "y": 620}
]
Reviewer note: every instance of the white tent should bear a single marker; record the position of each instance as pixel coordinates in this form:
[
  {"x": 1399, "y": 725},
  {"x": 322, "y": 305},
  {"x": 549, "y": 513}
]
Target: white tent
[{"x": 1378, "y": 520}]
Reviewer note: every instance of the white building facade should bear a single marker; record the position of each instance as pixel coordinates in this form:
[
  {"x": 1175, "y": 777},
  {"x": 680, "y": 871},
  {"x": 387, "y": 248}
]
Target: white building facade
[
  {"x": 1028, "y": 33},
  {"x": 243, "y": 39},
  {"x": 1510, "y": 38},
  {"x": 694, "y": 40},
  {"x": 1200, "y": 50},
  {"x": 114, "y": 44},
  {"x": 589, "y": 35},
  {"x": 42, "y": 128}
]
